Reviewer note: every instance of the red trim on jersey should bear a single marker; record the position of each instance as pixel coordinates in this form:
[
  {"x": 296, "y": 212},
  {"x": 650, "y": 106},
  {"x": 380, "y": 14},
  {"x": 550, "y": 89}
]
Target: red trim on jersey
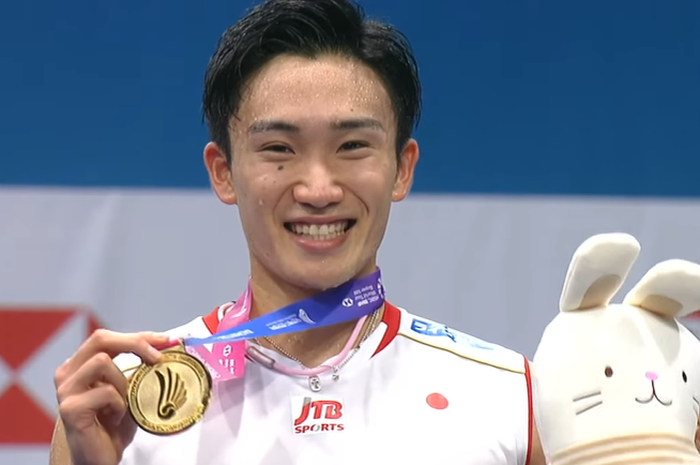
[
  {"x": 530, "y": 412},
  {"x": 211, "y": 321},
  {"x": 392, "y": 319}
]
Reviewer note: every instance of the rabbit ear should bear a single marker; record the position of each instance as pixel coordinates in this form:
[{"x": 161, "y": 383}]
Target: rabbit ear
[
  {"x": 670, "y": 288},
  {"x": 597, "y": 270}
]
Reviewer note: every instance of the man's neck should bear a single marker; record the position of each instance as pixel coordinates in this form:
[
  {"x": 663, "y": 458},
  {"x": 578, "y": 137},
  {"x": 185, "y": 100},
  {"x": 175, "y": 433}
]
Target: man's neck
[{"x": 311, "y": 347}]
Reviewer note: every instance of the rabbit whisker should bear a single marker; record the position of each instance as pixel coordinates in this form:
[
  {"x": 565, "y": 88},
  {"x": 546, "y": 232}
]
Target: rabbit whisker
[
  {"x": 587, "y": 396},
  {"x": 589, "y": 407}
]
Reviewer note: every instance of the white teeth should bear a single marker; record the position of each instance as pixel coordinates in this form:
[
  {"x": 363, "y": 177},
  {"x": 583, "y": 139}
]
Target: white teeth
[{"x": 320, "y": 232}]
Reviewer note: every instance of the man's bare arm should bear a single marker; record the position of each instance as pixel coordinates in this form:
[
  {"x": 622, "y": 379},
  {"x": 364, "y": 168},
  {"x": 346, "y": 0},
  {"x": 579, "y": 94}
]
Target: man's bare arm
[
  {"x": 59, "y": 453},
  {"x": 536, "y": 453}
]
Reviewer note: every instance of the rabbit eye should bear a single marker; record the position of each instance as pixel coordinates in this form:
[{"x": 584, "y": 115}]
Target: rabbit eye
[
  {"x": 685, "y": 377},
  {"x": 608, "y": 372}
]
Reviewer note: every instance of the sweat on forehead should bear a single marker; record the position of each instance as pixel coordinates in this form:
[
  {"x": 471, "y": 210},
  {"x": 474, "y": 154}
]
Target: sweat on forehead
[{"x": 314, "y": 90}]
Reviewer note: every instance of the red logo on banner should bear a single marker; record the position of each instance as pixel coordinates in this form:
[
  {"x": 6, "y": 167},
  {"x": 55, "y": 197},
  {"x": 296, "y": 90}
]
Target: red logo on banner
[{"x": 33, "y": 343}]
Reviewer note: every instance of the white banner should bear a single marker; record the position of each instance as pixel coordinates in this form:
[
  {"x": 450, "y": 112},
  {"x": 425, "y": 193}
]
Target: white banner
[{"x": 137, "y": 260}]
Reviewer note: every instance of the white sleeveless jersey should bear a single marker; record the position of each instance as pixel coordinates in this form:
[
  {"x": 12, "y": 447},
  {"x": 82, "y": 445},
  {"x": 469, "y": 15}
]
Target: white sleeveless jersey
[{"x": 415, "y": 392}]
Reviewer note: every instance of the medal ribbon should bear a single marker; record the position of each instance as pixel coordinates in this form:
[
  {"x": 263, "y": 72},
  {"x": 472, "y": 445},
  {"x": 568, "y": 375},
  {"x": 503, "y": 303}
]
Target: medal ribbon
[{"x": 226, "y": 359}]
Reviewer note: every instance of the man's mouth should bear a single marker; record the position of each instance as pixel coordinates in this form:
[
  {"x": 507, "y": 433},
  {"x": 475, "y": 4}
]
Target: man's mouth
[{"x": 320, "y": 232}]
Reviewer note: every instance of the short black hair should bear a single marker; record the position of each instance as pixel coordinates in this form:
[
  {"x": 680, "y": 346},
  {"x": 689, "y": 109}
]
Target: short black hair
[{"x": 308, "y": 28}]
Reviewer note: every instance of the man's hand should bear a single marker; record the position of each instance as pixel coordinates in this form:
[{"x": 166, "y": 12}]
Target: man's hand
[
  {"x": 537, "y": 454},
  {"x": 94, "y": 427}
]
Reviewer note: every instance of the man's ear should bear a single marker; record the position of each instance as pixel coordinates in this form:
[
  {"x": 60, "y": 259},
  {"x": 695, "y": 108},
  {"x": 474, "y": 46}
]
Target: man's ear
[
  {"x": 406, "y": 168},
  {"x": 220, "y": 175}
]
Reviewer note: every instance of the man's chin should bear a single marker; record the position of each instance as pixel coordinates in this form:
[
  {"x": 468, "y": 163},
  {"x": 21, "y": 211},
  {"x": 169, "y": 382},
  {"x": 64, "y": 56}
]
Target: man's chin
[
  {"x": 320, "y": 283},
  {"x": 320, "y": 277}
]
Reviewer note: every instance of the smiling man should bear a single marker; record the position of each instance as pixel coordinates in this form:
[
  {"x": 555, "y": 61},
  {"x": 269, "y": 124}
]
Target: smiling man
[{"x": 311, "y": 108}]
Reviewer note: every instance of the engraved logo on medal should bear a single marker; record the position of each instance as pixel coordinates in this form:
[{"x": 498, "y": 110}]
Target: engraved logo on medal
[{"x": 173, "y": 393}]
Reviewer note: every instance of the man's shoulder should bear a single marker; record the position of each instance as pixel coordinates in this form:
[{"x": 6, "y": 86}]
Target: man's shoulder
[{"x": 438, "y": 336}]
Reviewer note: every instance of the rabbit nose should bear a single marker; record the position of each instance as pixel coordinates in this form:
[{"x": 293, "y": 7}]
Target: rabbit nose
[{"x": 651, "y": 376}]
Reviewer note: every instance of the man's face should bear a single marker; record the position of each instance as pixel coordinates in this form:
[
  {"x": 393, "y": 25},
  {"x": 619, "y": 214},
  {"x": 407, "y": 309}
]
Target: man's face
[{"x": 314, "y": 170}]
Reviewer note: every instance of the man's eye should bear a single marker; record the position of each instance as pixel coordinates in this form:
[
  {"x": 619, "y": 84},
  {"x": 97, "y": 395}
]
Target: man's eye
[
  {"x": 354, "y": 145},
  {"x": 278, "y": 148}
]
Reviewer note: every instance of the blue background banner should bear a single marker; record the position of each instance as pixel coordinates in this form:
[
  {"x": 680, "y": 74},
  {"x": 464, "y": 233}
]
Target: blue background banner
[
  {"x": 594, "y": 104},
  {"x": 521, "y": 97}
]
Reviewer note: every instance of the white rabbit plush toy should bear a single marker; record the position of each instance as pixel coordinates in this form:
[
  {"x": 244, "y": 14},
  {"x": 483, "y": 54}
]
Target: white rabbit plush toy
[{"x": 619, "y": 383}]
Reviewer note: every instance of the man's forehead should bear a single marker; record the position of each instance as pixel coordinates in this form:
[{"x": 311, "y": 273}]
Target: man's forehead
[
  {"x": 333, "y": 69},
  {"x": 324, "y": 88}
]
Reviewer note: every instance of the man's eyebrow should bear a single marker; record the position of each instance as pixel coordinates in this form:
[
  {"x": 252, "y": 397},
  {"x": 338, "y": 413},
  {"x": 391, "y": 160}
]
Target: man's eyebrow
[
  {"x": 338, "y": 125},
  {"x": 357, "y": 123},
  {"x": 272, "y": 125}
]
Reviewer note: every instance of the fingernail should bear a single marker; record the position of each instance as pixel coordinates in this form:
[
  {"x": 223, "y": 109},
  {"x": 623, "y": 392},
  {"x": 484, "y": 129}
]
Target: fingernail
[{"x": 167, "y": 345}]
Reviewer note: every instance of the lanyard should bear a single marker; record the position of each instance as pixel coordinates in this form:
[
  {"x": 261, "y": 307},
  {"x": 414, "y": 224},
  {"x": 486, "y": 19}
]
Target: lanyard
[{"x": 226, "y": 358}]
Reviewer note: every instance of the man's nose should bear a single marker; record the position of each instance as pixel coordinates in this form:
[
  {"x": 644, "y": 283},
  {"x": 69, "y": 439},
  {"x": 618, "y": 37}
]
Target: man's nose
[{"x": 318, "y": 187}]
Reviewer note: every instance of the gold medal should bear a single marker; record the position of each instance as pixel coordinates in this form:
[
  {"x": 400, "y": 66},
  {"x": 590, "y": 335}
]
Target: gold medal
[{"x": 172, "y": 395}]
